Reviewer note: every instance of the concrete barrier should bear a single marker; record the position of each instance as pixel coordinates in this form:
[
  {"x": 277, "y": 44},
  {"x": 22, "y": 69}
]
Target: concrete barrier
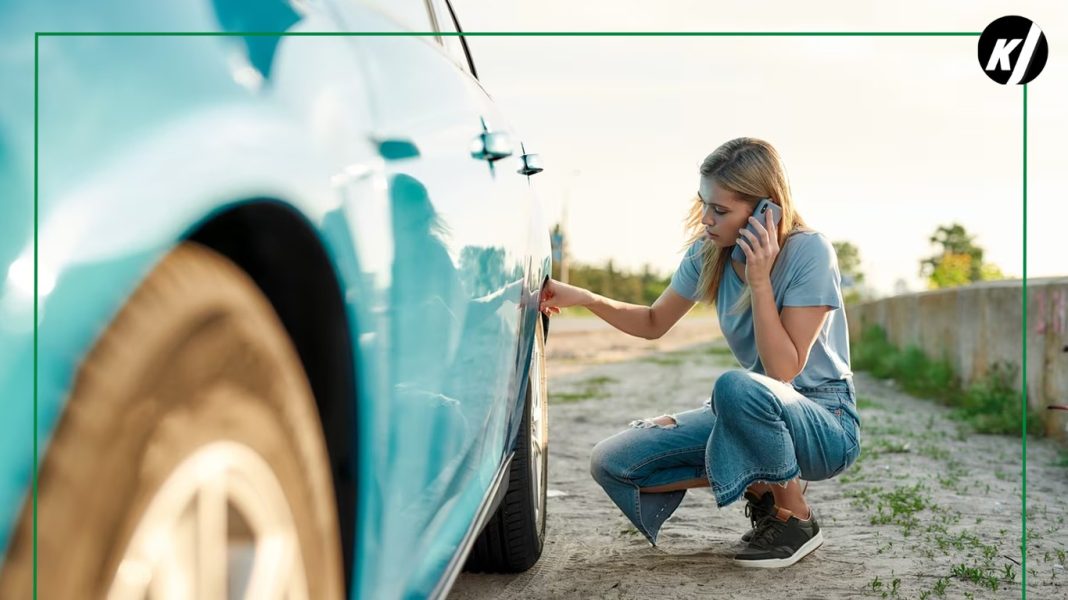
[{"x": 976, "y": 326}]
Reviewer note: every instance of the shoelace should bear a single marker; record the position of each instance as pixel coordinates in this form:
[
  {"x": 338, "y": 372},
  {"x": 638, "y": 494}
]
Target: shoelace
[
  {"x": 751, "y": 511},
  {"x": 766, "y": 531}
]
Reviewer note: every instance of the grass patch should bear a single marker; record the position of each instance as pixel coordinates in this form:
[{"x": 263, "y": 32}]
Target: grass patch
[
  {"x": 992, "y": 405},
  {"x": 984, "y": 576},
  {"x": 940, "y": 587},
  {"x": 864, "y": 402},
  {"x": 566, "y": 397},
  {"x": 882, "y": 446},
  {"x": 722, "y": 356},
  {"x": 989, "y": 405},
  {"x": 898, "y": 506},
  {"x": 665, "y": 360},
  {"x": 946, "y": 541},
  {"x": 953, "y": 475},
  {"x": 885, "y": 428},
  {"x": 589, "y": 389},
  {"x": 887, "y": 590},
  {"x": 933, "y": 451},
  {"x": 1062, "y": 459},
  {"x": 701, "y": 310}
]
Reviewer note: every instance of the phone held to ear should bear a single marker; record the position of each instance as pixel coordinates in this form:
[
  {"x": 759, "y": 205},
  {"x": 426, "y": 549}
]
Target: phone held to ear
[{"x": 762, "y": 207}]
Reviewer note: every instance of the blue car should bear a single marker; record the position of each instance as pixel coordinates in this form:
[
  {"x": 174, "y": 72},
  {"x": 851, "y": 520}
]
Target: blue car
[{"x": 286, "y": 339}]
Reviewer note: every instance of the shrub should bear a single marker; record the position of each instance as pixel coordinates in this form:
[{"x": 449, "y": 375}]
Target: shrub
[{"x": 991, "y": 404}]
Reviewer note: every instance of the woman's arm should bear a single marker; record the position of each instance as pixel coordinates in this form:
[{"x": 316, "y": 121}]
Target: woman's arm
[
  {"x": 784, "y": 342},
  {"x": 634, "y": 319},
  {"x": 649, "y": 322}
]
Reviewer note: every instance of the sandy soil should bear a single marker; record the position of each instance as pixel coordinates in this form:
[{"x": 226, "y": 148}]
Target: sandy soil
[
  {"x": 576, "y": 344},
  {"x": 930, "y": 509}
]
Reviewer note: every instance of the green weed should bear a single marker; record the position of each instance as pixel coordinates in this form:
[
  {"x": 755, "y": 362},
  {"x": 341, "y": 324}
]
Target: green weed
[
  {"x": 864, "y": 402},
  {"x": 989, "y": 405},
  {"x": 588, "y": 389}
]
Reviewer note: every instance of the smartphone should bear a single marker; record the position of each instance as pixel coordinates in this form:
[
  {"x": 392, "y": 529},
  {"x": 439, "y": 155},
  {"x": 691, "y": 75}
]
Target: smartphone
[{"x": 762, "y": 207}]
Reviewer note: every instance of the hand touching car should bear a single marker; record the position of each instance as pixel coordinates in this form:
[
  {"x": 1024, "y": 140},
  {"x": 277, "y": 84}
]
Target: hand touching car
[{"x": 556, "y": 295}]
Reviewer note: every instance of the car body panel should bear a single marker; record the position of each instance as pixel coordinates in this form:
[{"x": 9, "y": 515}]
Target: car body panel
[{"x": 439, "y": 256}]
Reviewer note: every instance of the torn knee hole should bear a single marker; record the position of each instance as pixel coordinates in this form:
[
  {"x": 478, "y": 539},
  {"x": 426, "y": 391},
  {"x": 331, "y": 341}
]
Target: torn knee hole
[
  {"x": 666, "y": 421},
  {"x": 661, "y": 422}
]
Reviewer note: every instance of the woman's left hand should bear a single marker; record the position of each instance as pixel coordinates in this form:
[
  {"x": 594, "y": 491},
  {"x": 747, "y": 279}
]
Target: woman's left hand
[{"x": 760, "y": 250}]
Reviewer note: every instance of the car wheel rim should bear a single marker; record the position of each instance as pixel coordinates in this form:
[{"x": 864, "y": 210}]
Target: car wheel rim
[
  {"x": 218, "y": 527},
  {"x": 539, "y": 430}
]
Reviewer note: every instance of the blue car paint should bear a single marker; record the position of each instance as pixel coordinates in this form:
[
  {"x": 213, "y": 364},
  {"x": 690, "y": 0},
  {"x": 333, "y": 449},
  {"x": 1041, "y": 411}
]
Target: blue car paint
[{"x": 133, "y": 132}]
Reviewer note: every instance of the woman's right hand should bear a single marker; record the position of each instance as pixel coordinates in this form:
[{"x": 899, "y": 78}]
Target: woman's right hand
[{"x": 556, "y": 295}]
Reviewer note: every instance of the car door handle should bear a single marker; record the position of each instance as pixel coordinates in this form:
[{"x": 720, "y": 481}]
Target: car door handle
[
  {"x": 531, "y": 165},
  {"x": 491, "y": 146}
]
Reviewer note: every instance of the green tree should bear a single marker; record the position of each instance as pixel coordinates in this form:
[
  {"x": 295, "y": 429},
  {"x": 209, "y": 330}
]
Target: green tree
[
  {"x": 951, "y": 270},
  {"x": 959, "y": 261},
  {"x": 991, "y": 272},
  {"x": 849, "y": 267},
  {"x": 652, "y": 285},
  {"x": 637, "y": 288}
]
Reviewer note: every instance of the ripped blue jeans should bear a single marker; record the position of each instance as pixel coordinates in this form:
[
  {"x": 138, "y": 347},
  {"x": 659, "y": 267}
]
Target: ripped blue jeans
[{"x": 752, "y": 429}]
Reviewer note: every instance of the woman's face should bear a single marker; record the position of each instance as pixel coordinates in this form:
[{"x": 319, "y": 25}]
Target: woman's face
[{"x": 724, "y": 213}]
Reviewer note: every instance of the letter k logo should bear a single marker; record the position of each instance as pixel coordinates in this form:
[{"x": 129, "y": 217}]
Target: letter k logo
[
  {"x": 1000, "y": 56},
  {"x": 1012, "y": 50}
]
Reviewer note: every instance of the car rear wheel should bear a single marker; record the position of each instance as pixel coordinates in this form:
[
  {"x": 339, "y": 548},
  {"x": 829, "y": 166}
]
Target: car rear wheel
[
  {"x": 189, "y": 461},
  {"x": 513, "y": 539}
]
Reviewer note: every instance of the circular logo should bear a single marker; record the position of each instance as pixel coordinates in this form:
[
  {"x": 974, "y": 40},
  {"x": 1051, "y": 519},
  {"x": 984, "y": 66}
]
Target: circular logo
[{"x": 1012, "y": 50}]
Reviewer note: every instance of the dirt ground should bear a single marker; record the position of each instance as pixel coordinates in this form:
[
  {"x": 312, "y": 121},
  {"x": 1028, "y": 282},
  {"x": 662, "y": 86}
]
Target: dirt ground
[{"x": 930, "y": 510}]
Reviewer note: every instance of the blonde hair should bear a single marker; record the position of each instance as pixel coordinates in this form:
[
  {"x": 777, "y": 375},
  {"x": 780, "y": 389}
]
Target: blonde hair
[{"x": 752, "y": 169}]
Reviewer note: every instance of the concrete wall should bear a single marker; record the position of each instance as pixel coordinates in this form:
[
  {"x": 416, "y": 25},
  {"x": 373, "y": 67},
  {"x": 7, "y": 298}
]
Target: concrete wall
[{"x": 978, "y": 325}]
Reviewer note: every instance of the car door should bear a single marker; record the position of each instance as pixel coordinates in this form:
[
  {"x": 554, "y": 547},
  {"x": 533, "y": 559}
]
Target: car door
[
  {"x": 455, "y": 287},
  {"x": 515, "y": 187}
]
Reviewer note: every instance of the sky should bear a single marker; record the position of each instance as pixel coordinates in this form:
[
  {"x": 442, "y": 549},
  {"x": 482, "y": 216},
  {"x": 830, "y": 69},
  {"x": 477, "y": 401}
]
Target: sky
[{"x": 884, "y": 139}]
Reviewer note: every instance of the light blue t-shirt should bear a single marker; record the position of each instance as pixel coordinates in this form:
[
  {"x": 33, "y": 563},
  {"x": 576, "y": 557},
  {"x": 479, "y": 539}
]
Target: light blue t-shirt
[{"x": 805, "y": 274}]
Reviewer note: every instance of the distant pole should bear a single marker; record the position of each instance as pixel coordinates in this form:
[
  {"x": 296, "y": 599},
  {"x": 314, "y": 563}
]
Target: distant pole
[
  {"x": 565, "y": 234},
  {"x": 564, "y": 258}
]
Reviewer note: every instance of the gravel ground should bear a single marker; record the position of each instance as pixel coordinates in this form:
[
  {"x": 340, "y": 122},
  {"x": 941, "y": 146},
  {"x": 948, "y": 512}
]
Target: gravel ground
[{"x": 930, "y": 510}]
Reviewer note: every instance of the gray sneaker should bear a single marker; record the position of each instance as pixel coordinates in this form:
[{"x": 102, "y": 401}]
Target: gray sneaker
[
  {"x": 779, "y": 540},
  {"x": 757, "y": 508}
]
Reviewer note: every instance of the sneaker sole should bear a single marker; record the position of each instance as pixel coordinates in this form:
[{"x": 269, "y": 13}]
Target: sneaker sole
[{"x": 778, "y": 563}]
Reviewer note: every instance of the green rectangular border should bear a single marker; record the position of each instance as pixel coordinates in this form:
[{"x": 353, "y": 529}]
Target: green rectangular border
[{"x": 36, "y": 80}]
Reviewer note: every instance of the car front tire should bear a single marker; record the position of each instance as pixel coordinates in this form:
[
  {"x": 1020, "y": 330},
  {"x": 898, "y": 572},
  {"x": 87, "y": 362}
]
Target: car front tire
[{"x": 189, "y": 459}]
